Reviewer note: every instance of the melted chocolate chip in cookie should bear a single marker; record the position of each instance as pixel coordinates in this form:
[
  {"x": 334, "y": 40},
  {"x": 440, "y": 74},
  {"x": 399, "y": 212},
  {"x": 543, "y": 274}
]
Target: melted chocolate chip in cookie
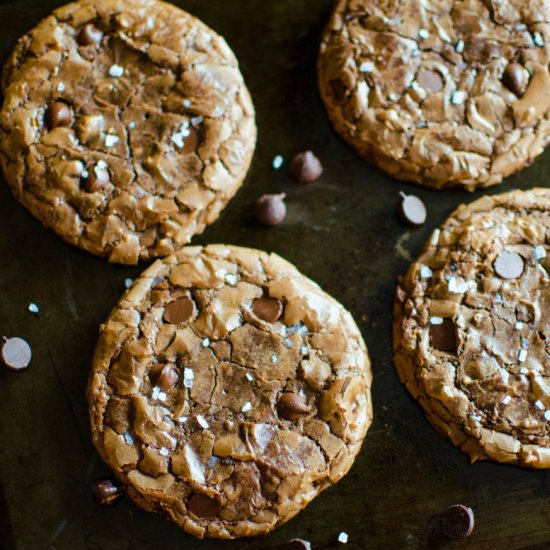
[
  {"x": 89, "y": 35},
  {"x": 267, "y": 309},
  {"x": 179, "y": 311},
  {"x": 204, "y": 506},
  {"x": 443, "y": 335},
  {"x": 509, "y": 265},
  {"x": 163, "y": 376},
  {"x": 291, "y": 406},
  {"x": 58, "y": 114}
]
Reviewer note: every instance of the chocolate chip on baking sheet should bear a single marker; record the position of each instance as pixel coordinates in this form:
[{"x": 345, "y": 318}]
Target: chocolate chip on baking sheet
[
  {"x": 443, "y": 334},
  {"x": 163, "y": 376},
  {"x": 58, "y": 114},
  {"x": 431, "y": 81},
  {"x": 515, "y": 78},
  {"x": 267, "y": 309},
  {"x": 306, "y": 167},
  {"x": 179, "y": 311},
  {"x": 291, "y": 406},
  {"x": 411, "y": 210},
  {"x": 457, "y": 522},
  {"x": 106, "y": 491},
  {"x": 204, "y": 506},
  {"x": 89, "y": 35},
  {"x": 509, "y": 265},
  {"x": 16, "y": 353},
  {"x": 270, "y": 209},
  {"x": 297, "y": 544}
]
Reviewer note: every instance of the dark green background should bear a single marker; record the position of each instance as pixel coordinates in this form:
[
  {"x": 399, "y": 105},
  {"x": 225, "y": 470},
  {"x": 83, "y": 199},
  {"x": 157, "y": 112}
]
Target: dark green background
[{"x": 340, "y": 231}]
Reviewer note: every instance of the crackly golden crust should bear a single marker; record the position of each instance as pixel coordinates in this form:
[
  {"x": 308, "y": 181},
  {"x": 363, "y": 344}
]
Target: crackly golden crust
[
  {"x": 468, "y": 129},
  {"x": 157, "y": 72},
  {"x": 218, "y": 429},
  {"x": 491, "y": 395}
]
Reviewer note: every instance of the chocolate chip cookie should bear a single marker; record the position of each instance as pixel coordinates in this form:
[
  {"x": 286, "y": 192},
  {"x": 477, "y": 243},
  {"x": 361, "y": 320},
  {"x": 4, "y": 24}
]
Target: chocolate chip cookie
[
  {"x": 228, "y": 390},
  {"x": 443, "y": 94},
  {"x": 126, "y": 126},
  {"x": 472, "y": 328}
]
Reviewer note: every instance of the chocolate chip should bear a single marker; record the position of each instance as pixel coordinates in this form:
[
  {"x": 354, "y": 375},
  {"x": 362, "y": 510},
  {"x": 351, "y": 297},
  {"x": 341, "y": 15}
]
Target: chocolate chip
[
  {"x": 457, "y": 522},
  {"x": 515, "y": 78},
  {"x": 297, "y": 544},
  {"x": 89, "y": 35},
  {"x": 267, "y": 309},
  {"x": 204, "y": 506},
  {"x": 291, "y": 406},
  {"x": 180, "y": 311},
  {"x": 443, "y": 335},
  {"x": 191, "y": 142},
  {"x": 58, "y": 114},
  {"x": 411, "y": 209},
  {"x": 270, "y": 209},
  {"x": 306, "y": 167},
  {"x": 339, "y": 89},
  {"x": 106, "y": 491},
  {"x": 163, "y": 376},
  {"x": 430, "y": 80},
  {"x": 96, "y": 179},
  {"x": 16, "y": 353},
  {"x": 509, "y": 265}
]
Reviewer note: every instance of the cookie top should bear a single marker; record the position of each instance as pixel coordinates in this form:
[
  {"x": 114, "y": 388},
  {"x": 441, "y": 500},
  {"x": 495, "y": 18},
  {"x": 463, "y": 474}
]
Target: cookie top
[
  {"x": 472, "y": 328},
  {"x": 441, "y": 93},
  {"x": 126, "y": 126},
  {"x": 228, "y": 390}
]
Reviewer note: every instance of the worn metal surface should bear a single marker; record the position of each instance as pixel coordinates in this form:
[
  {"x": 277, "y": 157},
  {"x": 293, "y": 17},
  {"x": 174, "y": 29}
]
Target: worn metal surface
[{"x": 342, "y": 232}]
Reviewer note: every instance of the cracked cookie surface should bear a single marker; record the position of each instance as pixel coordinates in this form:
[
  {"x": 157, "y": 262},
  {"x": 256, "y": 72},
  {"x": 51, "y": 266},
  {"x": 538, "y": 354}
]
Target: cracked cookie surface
[
  {"x": 472, "y": 328},
  {"x": 126, "y": 126},
  {"x": 228, "y": 390},
  {"x": 441, "y": 93}
]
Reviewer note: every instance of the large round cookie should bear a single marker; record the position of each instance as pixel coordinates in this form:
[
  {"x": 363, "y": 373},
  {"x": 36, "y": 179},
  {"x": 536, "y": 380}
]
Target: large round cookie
[
  {"x": 228, "y": 390},
  {"x": 472, "y": 328},
  {"x": 445, "y": 93},
  {"x": 126, "y": 126}
]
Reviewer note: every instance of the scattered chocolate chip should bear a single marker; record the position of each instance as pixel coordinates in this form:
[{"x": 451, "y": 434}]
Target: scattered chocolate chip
[
  {"x": 457, "y": 522},
  {"x": 509, "y": 265},
  {"x": 411, "y": 209},
  {"x": 180, "y": 311},
  {"x": 443, "y": 335},
  {"x": 339, "y": 89},
  {"x": 191, "y": 142},
  {"x": 96, "y": 179},
  {"x": 106, "y": 491},
  {"x": 204, "y": 506},
  {"x": 306, "y": 167},
  {"x": 163, "y": 376},
  {"x": 515, "y": 78},
  {"x": 431, "y": 81},
  {"x": 89, "y": 35},
  {"x": 16, "y": 353},
  {"x": 297, "y": 544},
  {"x": 267, "y": 309},
  {"x": 58, "y": 114},
  {"x": 291, "y": 406},
  {"x": 270, "y": 209}
]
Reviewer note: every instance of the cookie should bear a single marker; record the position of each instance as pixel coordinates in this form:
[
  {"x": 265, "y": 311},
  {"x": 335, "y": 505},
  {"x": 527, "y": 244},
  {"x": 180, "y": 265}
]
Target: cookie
[
  {"x": 126, "y": 126},
  {"x": 472, "y": 329},
  {"x": 443, "y": 94},
  {"x": 228, "y": 390}
]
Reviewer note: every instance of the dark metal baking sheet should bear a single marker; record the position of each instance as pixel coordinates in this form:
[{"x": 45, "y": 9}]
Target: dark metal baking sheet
[{"x": 342, "y": 232}]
